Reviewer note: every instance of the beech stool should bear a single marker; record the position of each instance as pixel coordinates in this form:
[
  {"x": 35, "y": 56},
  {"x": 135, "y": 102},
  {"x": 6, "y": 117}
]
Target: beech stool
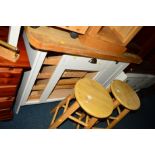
[
  {"x": 92, "y": 100},
  {"x": 124, "y": 100}
]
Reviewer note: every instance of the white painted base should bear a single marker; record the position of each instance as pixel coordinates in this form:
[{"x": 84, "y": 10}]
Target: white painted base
[{"x": 107, "y": 71}]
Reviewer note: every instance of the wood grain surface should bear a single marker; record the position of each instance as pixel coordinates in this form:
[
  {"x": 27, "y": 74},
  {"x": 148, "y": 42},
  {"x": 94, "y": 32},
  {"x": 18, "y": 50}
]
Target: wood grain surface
[
  {"x": 93, "y": 98},
  {"x": 50, "y": 39},
  {"x": 125, "y": 95}
]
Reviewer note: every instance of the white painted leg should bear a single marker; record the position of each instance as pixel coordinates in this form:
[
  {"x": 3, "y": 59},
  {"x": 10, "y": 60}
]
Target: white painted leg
[
  {"x": 54, "y": 79},
  {"x": 13, "y": 36},
  {"x": 111, "y": 72},
  {"x": 36, "y": 59}
]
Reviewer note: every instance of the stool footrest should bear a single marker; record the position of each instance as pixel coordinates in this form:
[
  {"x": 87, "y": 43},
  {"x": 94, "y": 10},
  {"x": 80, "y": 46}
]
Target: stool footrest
[{"x": 78, "y": 121}]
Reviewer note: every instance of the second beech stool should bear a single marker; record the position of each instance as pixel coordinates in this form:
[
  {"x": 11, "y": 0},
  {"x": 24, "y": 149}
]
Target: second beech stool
[
  {"x": 124, "y": 96},
  {"x": 91, "y": 100}
]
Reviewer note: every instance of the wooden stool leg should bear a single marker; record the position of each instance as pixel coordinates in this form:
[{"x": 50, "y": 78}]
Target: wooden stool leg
[
  {"x": 65, "y": 115},
  {"x": 91, "y": 123},
  {"x": 80, "y": 118},
  {"x": 68, "y": 98},
  {"x": 118, "y": 118}
]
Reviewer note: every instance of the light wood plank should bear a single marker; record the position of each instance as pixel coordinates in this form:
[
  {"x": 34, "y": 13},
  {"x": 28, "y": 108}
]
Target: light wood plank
[
  {"x": 74, "y": 74},
  {"x": 125, "y": 33},
  {"x": 42, "y": 87},
  {"x": 90, "y": 75},
  {"x": 59, "y": 93},
  {"x": 46, "y": 72},
  {"x": 68, "y": 81},
  {"x": 78, "y": 29},
  {"x": 48, "y": 69},
  {"x": 52, "y": 60},
  {"x": 50, "y": 39}
]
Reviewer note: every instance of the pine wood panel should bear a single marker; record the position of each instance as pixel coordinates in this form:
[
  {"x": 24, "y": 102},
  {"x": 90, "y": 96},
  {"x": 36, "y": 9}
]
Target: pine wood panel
[
  {"x": 107, "y": 35},
  {"x": 48, "y": 69},
  {"x": 74, "y": 74},
  {"x": 90, "y": 75},
  {"x": 53, "y": 60},
  {"x": 67, "y": 81},
  {"x": 42, "y": 87},
  {"x": 35, "y": 95},
  {"x": 50, "y": 39},
  {"x": 125, "y": 33},
  {"x": 78, "y": 29},
  {"x": 46, "y": 72}
]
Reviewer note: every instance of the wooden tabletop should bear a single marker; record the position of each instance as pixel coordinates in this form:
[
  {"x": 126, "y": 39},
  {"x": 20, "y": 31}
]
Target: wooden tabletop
[
  {"x": 125, "y": 95},
  {"x": 51, "y": 39},
  {"x": 93, "y": 98}
]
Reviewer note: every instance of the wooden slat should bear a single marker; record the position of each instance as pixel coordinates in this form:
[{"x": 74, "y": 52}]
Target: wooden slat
[
  {"x": 60, "y": 93},
  {"x": 67, "y": 81},
  {"x": 35, "y": 95},
  {"x": 52, "y": 60},
  {"x": 78, "y": 121},
  {"x": 42, "y": 87},
  {"x": 39, "y": 87},
  {"x": 48, "y": 69},
  {"x": 42, "y": 81},
  {"x": 44, "y": 75},
  {"x": 90, "y": 75},
  {"x": 74, "y": 74},
  {"x": 45, "y": 38},
  {"x": 64, "y": 87},
  {"x": 46, "y": 72}
]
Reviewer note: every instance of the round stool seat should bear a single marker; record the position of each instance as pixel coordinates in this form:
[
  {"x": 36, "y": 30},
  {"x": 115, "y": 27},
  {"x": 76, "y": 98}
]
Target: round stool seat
[
  {"x": 93, "y": 98},
  {"x": 125, "y": 95}
]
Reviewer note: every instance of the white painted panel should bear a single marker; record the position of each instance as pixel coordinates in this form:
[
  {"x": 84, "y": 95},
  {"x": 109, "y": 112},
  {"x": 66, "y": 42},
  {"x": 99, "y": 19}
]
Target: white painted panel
[
  {"x": 113, "y": 71},
  {"x": 29, "y": 77},
  {"x": 83, "y": 63},
  {"x": 140, "y": 81},
  {"x": 32, "y": 53}
]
